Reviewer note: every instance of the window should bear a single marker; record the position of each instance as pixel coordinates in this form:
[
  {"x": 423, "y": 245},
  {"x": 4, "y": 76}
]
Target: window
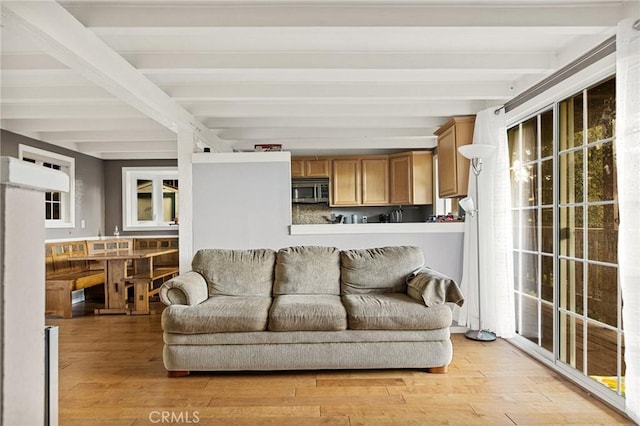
[
  {"x": 565, "y": 211},
  {"x": 531, "y": 151},
  {"x": 150, "y": 197},
  {"x": 59, "y": 207}
]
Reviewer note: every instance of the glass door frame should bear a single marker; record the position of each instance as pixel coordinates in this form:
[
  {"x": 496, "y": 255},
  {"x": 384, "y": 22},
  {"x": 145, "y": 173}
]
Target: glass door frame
[{"x": 553, "y": 358}]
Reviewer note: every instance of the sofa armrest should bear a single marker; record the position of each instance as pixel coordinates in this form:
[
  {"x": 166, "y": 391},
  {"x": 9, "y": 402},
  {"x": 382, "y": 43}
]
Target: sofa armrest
[
  {"x": 433, "y": 288},
  {"x": 186, "y": 289}
]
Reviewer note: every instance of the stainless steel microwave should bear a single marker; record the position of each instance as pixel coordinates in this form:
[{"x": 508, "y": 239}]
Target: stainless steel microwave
[{"x": 310, "y": 191}]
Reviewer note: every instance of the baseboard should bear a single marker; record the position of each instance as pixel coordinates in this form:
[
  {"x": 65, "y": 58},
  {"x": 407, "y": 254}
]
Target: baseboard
[{"x": 457, "y": 329}]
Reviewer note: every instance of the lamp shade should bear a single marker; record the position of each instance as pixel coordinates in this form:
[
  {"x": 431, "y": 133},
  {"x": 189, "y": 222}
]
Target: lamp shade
[
  {"x": 467, "y": 204},
  {"x": 477, "y": 150}
]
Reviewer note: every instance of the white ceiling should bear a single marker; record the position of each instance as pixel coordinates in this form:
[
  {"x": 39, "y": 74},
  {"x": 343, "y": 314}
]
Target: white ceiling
[{"x": 117, "y": 79}]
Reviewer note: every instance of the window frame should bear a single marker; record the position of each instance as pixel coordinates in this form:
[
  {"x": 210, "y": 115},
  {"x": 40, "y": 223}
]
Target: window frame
[
  {"x": 67, "y": 199},
  {"x": 553, "y": 99},
  {"x": 130, "y": 175},
  {"x": 537, "y": 208}
]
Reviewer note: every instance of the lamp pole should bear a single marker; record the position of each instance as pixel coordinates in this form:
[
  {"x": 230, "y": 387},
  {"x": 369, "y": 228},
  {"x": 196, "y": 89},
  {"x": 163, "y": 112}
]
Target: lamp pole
[
  {"x": 479, "y": 334},
  {"x": 475, "y": 153}
]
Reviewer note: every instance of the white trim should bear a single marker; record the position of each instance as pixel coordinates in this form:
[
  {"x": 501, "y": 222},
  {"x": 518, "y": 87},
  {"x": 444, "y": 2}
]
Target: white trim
[
  {"x": 379, "y": 228},
  {"x": 22, "y": 174},
  {"x": 129, "y": 208},
  {"x": 69, "y": 195},
  {"x": 242, "y": 157}
]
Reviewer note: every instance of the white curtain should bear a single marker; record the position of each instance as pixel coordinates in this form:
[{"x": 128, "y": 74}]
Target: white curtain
[
  {"x": 496, "y": 258},
  {"x": 628, "y": 164}
]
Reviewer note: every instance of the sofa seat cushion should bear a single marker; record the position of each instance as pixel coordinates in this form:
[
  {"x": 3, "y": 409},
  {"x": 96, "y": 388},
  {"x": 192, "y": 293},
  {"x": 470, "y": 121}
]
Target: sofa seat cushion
[
  {"x": 379, "y": 270},
  {"x": 393, "y": 311},
  {"x": 236, "y": 272},
  {"x": 307, "y": 270},
  {"x": 307, "y": 313},
  {"x": 218, "y": 314},
  {"x": 302, "y": 337}
]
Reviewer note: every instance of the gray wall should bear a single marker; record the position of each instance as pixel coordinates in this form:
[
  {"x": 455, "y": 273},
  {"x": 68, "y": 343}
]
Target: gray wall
[
  {"x": 89, "y": 181},
  {"x": 113, "y": 193},
  {"x": 254, "y": 212},
  {"x": 98, "y": 188}
]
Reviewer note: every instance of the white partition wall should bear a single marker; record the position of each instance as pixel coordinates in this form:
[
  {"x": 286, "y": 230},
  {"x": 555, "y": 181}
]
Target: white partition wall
[
  {"x": 243, "y": 200},
  {"x": 22, "y": 355}
]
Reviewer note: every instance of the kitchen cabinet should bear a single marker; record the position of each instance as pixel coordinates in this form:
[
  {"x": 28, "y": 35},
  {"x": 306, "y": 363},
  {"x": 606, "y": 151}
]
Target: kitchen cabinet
[
  {"x": 297, "y": 168},
  {"x": 411, "y": 180},
  {"x": 375, "y": 181},
  {"x": 360, "y": 181},
  {"x": 453, "y": 168},
  {"x": 345, "y": 182},
  {"x": 310, "y": 167}
]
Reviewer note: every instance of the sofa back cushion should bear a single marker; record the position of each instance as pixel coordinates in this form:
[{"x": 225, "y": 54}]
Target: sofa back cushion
[
  {"x": 307, "y": 270},
  {"x": 379, "y": 270},
  {"x": 236, "y": 272}
]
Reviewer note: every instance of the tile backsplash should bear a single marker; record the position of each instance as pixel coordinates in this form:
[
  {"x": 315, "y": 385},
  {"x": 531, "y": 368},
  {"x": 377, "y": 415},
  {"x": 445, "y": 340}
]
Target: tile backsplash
[
  {"x": 307, "y": 214},
  {"x": 303, "y": 214}
]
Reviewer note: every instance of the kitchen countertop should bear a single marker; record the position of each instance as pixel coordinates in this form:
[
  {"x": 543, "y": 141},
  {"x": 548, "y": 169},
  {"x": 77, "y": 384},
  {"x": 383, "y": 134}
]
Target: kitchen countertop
[{"x": 379, "y": 228}]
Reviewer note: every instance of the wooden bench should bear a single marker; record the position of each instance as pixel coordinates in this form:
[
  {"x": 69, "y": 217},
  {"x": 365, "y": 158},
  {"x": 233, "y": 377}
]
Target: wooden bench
[
  {"x": 109, "y": 244},
  {"x": 158, "y": 243},
  {"x": 64, "y": 274},
  {"x": 144, "y": 287},
  {"x": 146, "y": 284}
]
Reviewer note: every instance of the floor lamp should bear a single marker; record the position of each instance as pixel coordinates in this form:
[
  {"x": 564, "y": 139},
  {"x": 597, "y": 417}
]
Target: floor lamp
[{"x": 476, "y": 153}]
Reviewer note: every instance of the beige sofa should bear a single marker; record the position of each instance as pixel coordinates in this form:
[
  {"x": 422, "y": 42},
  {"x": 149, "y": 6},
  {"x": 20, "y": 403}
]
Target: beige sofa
[{"x": 308, "y": 308}]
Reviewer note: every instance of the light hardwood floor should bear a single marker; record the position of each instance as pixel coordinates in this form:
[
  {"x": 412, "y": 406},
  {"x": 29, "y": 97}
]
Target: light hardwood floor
[{"x": 111, "y": 373}]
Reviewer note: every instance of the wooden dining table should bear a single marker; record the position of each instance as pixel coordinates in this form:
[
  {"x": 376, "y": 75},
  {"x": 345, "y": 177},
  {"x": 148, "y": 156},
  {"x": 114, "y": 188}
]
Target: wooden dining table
[{"x": 116, "y": 269}]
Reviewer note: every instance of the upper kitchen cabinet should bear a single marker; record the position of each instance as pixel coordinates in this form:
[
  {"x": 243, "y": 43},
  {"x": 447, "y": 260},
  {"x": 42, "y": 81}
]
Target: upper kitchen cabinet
[
  {"x": 310, "y": 167},
  {"x": 453, "y": 168},
  {"x": 411, "y": 180},
  {"x": 345, "y": 182},
  {"x": 360, "y": 181},
  {"x": 375, "y": 181}
]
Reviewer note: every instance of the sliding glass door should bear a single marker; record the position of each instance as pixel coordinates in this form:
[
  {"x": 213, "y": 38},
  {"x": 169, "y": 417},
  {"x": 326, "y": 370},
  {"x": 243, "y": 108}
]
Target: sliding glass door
[{"x": 565, "y": 215}]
